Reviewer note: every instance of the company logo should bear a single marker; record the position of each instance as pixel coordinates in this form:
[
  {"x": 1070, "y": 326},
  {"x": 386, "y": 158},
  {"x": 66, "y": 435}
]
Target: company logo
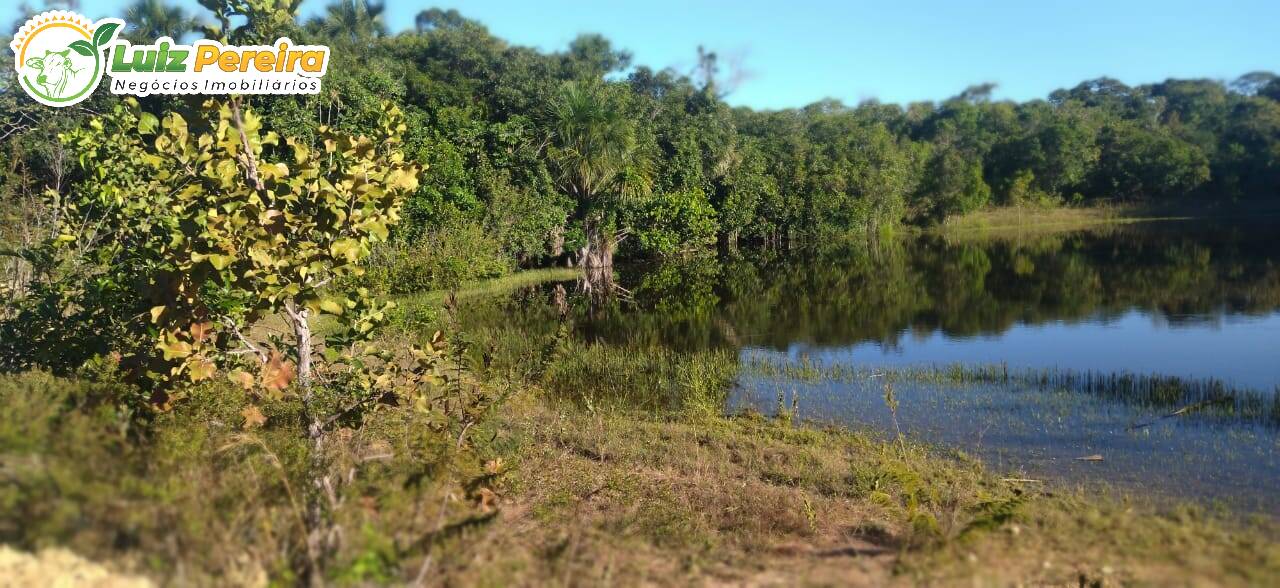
[{"x": 61, "y": 57}]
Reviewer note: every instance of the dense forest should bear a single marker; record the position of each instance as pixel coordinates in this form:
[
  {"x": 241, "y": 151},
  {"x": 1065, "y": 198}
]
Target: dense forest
[{"x": 503, "y": 130}]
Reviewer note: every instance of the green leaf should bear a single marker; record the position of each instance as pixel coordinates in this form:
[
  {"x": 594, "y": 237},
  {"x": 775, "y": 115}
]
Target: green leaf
[
  {"x": 105, "y": 33},
  {"x": 147, "y": 123},
  {"x": 219, "y": 261},
  {"x": 331, "y": 306},
  {"x": 83, "y": 47}
]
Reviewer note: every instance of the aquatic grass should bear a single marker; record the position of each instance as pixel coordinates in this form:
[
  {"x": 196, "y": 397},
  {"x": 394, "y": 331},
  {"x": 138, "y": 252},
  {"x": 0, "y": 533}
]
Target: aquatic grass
[
  {"x": 1177, "y": 396},
  {"x": 650, "y": 378}
]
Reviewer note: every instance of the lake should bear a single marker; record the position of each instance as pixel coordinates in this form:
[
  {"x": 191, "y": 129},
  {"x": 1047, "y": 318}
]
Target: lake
[{"x": 1150, "y": 348}]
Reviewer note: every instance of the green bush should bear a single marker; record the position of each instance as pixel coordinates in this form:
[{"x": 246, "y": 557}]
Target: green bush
[
  {"x": 675, "y": 222},
  {"x": 445, "y": 258}
]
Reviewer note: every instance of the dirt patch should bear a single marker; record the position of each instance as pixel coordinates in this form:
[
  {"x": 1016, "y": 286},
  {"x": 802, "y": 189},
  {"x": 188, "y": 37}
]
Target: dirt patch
[{"x": 59, "y": 567}]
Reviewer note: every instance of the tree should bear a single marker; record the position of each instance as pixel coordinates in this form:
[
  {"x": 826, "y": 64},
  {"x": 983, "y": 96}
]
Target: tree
[
  {"x": 1138, "y": 163},
  {"x": 201, "y": 233},
  {"x": 353, "y": 22},
  {"x": 148, "y": 20},
  {"x": 599, "y": 160}
]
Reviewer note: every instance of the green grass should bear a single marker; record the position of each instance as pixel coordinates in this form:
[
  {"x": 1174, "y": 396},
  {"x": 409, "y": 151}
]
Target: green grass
[
  {"x": 495, "y": 286},
  {"x": 1017, "y": 222}
]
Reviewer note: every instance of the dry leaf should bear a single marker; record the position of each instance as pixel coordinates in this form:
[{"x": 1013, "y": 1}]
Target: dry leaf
[
  {"x": 253, "y": 418},
  {"x": 200, "y": 368},
  {"x": 201, "y": 331},
  {"x": 242, "y": 378},
  {"x": 277, "y": 373}
]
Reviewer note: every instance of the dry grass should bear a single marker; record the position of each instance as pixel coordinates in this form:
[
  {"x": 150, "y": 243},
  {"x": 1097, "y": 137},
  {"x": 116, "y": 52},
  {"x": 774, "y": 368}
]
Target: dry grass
[
  {"x": 553, "y": 493},
  {"x": 620, "y": 498}
]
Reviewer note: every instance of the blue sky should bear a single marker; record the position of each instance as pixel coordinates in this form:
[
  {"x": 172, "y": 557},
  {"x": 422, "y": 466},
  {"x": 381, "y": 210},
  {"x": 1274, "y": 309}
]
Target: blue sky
[{"x": 799, "y": 51}]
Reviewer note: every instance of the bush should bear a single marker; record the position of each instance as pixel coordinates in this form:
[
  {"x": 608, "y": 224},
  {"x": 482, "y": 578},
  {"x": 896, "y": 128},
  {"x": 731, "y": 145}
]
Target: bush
[
  {"x": 445, "y": 258},
  {"x": 675, "y": 222},
  {"x": 200, "y": 495}
]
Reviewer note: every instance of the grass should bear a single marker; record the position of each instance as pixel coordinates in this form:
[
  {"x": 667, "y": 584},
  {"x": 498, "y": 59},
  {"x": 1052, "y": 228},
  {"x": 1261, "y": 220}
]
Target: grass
[
  {"x": 557, "y": 491},
  {"x": 1014, "y": 222},
  {"x": 1019, "y": 221},
  {"x": 495, "y": 286},
  {"x": 412, "y": 306},
  {"x": 610, "y": 464},
  {"x": 656, "y": 379},
  {"x": 616, "y": 496}
]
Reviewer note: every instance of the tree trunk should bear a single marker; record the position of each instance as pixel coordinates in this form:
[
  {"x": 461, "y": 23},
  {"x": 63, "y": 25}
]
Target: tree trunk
[
  {"x": 317, "y": 515},
  {"x": 596, "y": 258}
]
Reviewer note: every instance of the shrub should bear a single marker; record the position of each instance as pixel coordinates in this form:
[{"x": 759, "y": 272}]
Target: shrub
[{"x": 446, "y": 258}]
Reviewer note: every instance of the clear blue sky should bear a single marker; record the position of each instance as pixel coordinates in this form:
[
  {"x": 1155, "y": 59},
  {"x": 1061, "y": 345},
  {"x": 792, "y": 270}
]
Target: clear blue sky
[{"x": 799, "y": 51}]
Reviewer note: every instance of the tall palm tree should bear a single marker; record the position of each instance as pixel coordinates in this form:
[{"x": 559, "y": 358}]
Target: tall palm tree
[
  {"x": 599, "y": 160},
  {"x": 357, "y": 22},
  {"x": 147, "y": 20}
]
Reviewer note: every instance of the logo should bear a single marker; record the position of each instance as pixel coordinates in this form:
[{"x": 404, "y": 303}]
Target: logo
[{"x": 61, "y": 57}]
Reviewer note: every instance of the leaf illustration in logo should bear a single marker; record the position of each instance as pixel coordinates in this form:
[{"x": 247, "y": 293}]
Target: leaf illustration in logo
[
  {"x": 104, "y": 33},
  {"x": 83, "y": 48}
]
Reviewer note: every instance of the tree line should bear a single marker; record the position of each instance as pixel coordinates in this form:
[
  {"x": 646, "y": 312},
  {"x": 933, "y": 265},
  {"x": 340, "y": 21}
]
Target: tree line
[{"x": 573, "y": 154}]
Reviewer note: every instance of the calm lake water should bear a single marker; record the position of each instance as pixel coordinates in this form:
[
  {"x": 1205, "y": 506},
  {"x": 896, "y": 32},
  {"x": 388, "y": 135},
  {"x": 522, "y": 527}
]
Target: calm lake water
[{"x": 1106, "y": 332}]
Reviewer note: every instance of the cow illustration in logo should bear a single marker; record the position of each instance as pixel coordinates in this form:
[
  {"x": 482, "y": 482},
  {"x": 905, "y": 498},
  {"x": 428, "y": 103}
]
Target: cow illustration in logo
[
  {"x": 61, "y": 56},
  {"x": 56, "y": 71}
]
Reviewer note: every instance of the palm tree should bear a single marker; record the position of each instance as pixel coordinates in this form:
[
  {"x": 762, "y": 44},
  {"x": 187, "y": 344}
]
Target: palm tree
[
  {"x": 599, "y": 160},
  {"x": 148, "y": 20},
  {"x": 355, "y": 21}
]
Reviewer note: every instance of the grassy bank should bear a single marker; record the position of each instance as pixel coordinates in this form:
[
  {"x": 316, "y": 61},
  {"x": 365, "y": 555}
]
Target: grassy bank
[
  {"x": 619, "y": 497},
  {"x": 1020, "y": 221},
  {"x": 607, "y": 464},
  {"x": 1016, "y": 221},
  {"x": 495, "y": 286},
  {"x": 560, "y": 492}
]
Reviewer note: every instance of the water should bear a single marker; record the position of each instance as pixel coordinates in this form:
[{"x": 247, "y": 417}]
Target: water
[
  {"x": 1192, "y": 300},
  {"x": 1177, "y": 298}
]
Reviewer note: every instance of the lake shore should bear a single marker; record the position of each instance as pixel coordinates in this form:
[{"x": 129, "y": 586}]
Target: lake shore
[
  {"x": 748, "y": 500},
  {"x": 1016, "y": 221},
  {"x": 562, "y": 485}
]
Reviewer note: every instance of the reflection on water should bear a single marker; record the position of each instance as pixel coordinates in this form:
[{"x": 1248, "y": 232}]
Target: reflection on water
[
  {"x": 1196, "y": 305},
  {"x": 1179, "y": 298},
  {"x": 1239, "y": 348}
]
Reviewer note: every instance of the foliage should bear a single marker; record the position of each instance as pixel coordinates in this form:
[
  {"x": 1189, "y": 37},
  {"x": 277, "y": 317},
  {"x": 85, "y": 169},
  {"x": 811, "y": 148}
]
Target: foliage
[
  {"x": 206, "y": 232},
  {"x": 443, "y": 259},
  {"x": 675, "y": 222},
  {"x": 203, "y": 495}
]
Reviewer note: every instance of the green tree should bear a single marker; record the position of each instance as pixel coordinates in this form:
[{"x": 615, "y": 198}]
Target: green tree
[
  {"x": 147, "y": 20},
  {"x": 354, "y": 23},
  {"x": 599, "y": 159},
  {"x": 202, "y": 233}
]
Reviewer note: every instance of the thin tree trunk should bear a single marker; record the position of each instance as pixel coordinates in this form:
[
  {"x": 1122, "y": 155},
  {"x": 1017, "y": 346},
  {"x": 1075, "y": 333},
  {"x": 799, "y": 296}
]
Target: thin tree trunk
[{"x": 317, "y": 516}]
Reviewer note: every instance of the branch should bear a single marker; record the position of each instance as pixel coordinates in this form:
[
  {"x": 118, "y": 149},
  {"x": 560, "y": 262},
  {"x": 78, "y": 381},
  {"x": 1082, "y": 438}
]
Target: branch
[
  {"x": 249, "y": 161},
  {"x": 262, "y": 355}
]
